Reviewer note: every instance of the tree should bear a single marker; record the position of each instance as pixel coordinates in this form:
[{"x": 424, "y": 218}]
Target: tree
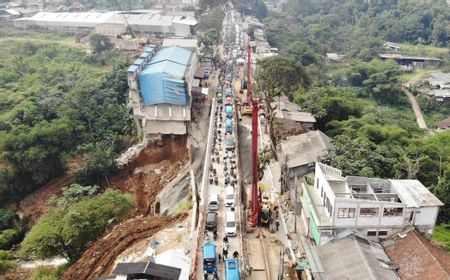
[
  {"x": 278, "y": 75},
  {"x": 100, "y": 43},
  {"x": 68, "y": 232},
  {"x": 72, "y": 194}
]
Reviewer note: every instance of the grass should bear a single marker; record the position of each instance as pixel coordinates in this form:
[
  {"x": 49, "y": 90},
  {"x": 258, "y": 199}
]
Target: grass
[
  {"x": 185, "y": 205},
  {"x": 422, "y": 50},
  {"x": 441, "y": 235}
]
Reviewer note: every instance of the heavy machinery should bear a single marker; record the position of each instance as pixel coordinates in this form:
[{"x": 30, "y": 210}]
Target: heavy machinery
[{"x": 267, "y": 209}]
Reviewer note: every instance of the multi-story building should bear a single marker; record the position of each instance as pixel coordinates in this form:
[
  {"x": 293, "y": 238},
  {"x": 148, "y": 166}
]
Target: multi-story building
[
  {"x": 334, "y": 206},
  {"x": 160, "y": 84}
]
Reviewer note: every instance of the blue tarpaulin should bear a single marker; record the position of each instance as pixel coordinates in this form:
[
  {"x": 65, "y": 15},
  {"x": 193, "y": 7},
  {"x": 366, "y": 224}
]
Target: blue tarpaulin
[{"x": 162, "y": 80}]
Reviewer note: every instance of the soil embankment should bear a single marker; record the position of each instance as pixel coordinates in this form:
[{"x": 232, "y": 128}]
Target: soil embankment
[{"x": 99, "y": 259}]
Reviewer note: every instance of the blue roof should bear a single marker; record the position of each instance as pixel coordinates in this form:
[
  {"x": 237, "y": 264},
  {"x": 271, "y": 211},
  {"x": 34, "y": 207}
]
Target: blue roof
[
  {"x": 228, "y": 123},
  {"x": 162, "y": 80},
  {"x": 209, "y": 251}
]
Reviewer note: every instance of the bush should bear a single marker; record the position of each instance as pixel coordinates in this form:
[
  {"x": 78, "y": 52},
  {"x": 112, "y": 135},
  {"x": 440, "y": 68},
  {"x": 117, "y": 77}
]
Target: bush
[{"x": 7, "y": 262}]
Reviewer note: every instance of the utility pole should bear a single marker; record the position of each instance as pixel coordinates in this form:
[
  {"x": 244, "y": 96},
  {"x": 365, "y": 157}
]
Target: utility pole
[
  {"x": 281, "y": 269},
  {"x": 295, "y": 204}
]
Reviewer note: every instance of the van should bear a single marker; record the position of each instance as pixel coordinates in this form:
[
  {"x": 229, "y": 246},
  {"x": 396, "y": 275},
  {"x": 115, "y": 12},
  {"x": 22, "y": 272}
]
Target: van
[
  {"x": 230, "y": 224},
  {"x": 211, "y": 221},
  {"x": 229, "y": 196},
  {"x": 213, "y": 204}
]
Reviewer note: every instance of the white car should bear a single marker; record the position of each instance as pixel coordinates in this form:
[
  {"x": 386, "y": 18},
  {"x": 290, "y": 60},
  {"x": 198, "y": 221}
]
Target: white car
[
  {"x": 229, "y": 196},
  {"x": 230, "y": 224}
]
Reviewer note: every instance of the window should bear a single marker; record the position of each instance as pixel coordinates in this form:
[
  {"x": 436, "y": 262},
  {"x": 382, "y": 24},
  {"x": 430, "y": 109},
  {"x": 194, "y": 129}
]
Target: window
[
  {"x": 317, "y": 183},
  {"x": 392, "y": 212},
  {"x": 372, "y": 233},
  {"x": 346, "y": 212},
  {"x": 382, "y": 233},
  {"x": 368, "y": 212}
]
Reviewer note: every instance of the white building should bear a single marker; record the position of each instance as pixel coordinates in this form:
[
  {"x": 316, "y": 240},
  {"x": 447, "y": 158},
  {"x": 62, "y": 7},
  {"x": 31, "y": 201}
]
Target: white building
[
  {"x": 112, "y": 23},
  {"x": 334, "y": 206}
]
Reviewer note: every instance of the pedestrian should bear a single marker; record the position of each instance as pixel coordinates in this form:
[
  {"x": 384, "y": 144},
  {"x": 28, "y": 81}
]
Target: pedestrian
[
  {"x": 277, "y": 224},
  {"x": 235, "y": 254},
  {"x": 225, "y": 253},
  {"x": 225, "y": 238},
  {"x": 220, "y": 257}
]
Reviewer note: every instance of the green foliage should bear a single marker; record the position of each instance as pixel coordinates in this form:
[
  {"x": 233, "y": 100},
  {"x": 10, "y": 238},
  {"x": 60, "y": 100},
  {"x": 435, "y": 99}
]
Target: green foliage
[
  {"x": 10, "y": 229},
  {"x": 359, "y": 28},
  {"x": 7, "y": 262},
  {"x": 441, "y": 234},
  {"x": 68, "y": 232},
  {"x": 72, "y": 194},
  {"x": 100, "y": 43},
  {"x": 48, "y": 272},
  {"x": 56, "y": 102},
  {"x": 255, "y": 8}
]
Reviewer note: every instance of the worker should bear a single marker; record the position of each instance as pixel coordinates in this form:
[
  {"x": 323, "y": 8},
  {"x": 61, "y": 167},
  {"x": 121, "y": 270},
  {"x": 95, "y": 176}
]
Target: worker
[{"x": 277, "y": 224}]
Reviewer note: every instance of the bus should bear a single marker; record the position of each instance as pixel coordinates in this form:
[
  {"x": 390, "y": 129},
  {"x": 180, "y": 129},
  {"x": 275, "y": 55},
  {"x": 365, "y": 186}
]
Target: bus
[{"x": 232, "y": 269}]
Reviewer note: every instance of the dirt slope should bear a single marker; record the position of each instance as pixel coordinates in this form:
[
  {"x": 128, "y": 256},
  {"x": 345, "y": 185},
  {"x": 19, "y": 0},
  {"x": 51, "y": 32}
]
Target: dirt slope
[
  {"x": 99, "y": 259},
  {"x": 156, "y": 166},
  {"x": 35, "y": 204}
]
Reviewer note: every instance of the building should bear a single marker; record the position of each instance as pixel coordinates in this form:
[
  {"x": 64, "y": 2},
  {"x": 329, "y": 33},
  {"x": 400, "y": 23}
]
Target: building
[
  {"x": 143, "y": 270},
  {"x": 190, "y": 44},
  {"x": 287, "y": 110},
  {"x": 112, "y": 23},
  {"x": 363, "y": 259},
  {"x": 334, "y": 56},
  {"x": 417, "y": 258},
  {"x": 444, "y": 124},
  {"x": 413, "y": 61},
  {"x": 299, "y": 153},
  {"x": 160, "y": 84},
  {"x": 7, "y": 15},
  {"x": 334, "y": 206},
  {"x": 391, "y": 46}
]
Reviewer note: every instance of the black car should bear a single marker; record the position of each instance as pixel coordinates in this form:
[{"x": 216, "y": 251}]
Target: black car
[{"x": 211, "y": 221}]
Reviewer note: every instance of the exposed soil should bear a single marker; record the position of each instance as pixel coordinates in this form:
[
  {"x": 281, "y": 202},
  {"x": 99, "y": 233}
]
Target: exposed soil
[
  {"x": 156, "y": 165},
  {"x": 99, "y": 259},
  {"x": 20, "y": 274},
  {"x": 35, "y": 204}
]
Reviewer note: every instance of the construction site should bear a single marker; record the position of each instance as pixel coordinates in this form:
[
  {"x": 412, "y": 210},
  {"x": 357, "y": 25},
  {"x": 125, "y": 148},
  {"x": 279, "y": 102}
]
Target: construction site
[{"x": 205, "y": 206}]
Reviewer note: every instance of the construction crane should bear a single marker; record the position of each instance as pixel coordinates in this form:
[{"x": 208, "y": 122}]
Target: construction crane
[{"x": 255, "y": 188}]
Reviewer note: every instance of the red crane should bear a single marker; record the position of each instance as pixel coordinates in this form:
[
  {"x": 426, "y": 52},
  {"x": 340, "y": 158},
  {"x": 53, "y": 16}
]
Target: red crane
[{"x": 255, "y": 188}]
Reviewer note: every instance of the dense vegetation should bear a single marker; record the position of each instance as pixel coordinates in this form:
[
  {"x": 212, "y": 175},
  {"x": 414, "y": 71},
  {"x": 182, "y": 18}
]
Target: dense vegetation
[
  {"x": 58, "y": 103},
  {"x": 359, "y": 27},
  {"x": 359, "y": 102},
  {"x": 70, "y": 229}
]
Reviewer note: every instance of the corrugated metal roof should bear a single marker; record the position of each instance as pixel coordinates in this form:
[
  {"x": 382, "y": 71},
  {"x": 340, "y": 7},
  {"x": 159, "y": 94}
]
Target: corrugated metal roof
[
  {"x": 163, "y": 271},
  {"x": 305, "y": 148},
  {"x": 162, "y": 80},
  {"x": 414, "y": 194},
  {"x": 352, "y": 258}
]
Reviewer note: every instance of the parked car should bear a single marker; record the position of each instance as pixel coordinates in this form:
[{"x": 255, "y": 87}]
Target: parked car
[
  {"x": 230, "y": 224},
  {"x": 229, "y": 196},
  {"x": 213, "y": 204},
  {"x": 211, "y": 221}
]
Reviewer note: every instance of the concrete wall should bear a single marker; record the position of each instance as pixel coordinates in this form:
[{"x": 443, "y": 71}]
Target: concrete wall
[
  {"x": 181, "y": 30},
  {"x": 426, "y": 216},
  {"x": 164, "y": 127},
  {"x": 321, "y": 183}
]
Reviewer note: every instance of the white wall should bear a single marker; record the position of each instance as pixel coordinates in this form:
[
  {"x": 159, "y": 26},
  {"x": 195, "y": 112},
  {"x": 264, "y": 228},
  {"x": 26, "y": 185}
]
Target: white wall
[
  {"x": 182, "y": 30},
  {"x": 427, "y": 216}
]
